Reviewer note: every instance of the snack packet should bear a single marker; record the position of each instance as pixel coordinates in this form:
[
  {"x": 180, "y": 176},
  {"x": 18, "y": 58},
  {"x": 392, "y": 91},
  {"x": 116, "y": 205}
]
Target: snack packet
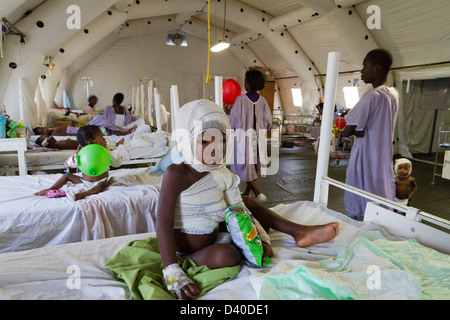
[{"x": 245, "y": 235}]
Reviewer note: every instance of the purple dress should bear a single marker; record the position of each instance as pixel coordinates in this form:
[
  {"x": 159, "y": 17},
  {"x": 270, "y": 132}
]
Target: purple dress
[
  {"x": 370, "y": 166},
  {"x": 108, "y": 119},
  {"x": 110, "y": 115},
  {"x": 249, "y": 112}
]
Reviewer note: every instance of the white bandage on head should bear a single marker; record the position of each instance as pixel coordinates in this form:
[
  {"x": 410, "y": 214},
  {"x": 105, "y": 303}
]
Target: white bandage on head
[
  {"x": 398, "y": 162},
  {"x": 192, "y": 119},
  {"x": 175, "y": 279}
]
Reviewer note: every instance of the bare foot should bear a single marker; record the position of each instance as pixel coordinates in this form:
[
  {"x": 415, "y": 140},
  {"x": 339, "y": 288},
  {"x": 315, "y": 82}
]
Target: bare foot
[
  {"x": 310, "y": 235},
  {"x": 42, "y": 192}
]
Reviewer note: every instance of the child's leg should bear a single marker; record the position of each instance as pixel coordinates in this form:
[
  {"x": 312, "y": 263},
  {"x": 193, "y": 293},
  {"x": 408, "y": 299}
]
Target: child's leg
[
  {"x": 73, "y": 178},
  {"x": 202, "y": 249},
  {"x": 251, "y": 186},
  {"x": 58, "y": 184},
  {"x": 304, "y": 235},
  {"x": 217, "y": 255}
]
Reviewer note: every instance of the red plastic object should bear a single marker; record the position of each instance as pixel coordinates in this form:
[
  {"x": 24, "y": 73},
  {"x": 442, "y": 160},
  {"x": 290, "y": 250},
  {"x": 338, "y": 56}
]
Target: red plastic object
[
  {"x": 340, "y": 123},
  {"x": 230, "y": 91}
]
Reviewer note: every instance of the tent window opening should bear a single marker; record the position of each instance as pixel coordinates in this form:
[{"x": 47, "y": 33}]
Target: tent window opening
[
  {"x": 297, "y": 97},
  {"x": 351, "y": 96}
]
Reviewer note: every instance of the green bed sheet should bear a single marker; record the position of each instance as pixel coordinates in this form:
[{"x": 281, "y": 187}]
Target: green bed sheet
[
  {"x": 370, "y": 267},
  {"x": 139, "y": 265}
]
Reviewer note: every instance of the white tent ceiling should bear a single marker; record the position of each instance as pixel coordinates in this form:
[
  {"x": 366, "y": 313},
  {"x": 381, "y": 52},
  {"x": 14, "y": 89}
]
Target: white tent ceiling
[{"x": 291, "y": 37}]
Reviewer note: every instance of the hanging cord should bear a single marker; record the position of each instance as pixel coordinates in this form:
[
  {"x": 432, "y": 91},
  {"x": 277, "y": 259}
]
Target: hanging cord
[
  {"x": 208, "y": 76},
  {"x": 224, "y": 18}
]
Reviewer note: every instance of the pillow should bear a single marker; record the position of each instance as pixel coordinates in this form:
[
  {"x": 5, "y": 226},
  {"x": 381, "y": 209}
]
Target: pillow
[
  {"x": 243, "y": 231},
  {"x": 168, "y": 159}
]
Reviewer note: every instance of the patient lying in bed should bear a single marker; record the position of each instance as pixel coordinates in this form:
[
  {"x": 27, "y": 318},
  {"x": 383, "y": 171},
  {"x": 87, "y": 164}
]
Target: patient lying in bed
[
  {"x": 52, "y": 143},
  {"x": 86, "y": 135}
]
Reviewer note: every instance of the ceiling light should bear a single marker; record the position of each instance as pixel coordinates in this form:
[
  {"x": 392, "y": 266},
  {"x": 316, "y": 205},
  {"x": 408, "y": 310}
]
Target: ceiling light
[
  {"x": 221, "y": 45},
  {"x": 176, "y": 40}
]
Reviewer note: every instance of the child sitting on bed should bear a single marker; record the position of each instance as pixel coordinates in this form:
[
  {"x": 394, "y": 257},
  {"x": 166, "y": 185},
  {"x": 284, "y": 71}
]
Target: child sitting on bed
[
  {"x": 405, "y": 185},
  {"x": 86, "y": 135},
  {"x": 194, "y": 195}
]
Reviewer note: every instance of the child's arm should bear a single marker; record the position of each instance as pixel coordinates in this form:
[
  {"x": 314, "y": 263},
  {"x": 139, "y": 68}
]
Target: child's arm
[
  {"x": 173, "y": 275},
  {"x": 61, "y": 182},
  {"x": 100, "y": 187},
  {"x": 413, "y": 188}
]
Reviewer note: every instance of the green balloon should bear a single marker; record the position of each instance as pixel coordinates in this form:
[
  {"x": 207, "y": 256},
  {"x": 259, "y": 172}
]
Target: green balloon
[{"x": 93, "y": 160}]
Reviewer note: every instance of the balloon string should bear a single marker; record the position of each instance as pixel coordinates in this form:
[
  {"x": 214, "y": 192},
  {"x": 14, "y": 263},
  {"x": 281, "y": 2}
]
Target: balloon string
[{"x": 208, "y": 76}]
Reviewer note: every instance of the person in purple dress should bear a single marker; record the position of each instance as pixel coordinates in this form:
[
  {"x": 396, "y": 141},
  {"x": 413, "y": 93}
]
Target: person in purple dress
[
  {"x": 372, "y": 121},
  {"x": 117, "y": 114},
  {"x": 251, "y": 118}
]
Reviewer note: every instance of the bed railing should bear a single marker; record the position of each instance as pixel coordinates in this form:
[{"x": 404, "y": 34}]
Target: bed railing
[
  {"x": 407, "y": 222},
  {"x": 410, "y": 212}
]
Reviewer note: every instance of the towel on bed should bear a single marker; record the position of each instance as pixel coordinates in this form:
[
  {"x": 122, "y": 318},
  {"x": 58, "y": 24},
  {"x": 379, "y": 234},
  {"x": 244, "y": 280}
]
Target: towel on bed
[
  {"x": 370, "y": 267},
  {"x": 139, "y": 265}
]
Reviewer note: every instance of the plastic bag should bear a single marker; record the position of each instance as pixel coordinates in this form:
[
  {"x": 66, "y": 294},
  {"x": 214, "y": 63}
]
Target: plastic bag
[{"x": 245, "y": 235}]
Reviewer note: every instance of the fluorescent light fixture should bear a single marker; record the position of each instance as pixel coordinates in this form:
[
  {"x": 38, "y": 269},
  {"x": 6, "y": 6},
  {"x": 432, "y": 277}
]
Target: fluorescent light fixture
[
  {"x": 221, "y": 45},
  {"x": 176, "y": 40},
  {"x": 297, "y": 97}
]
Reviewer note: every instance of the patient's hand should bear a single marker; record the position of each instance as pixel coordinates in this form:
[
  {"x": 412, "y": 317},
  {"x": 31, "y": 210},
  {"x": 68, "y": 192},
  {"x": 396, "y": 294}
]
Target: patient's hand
[
  {"x": 121, "y": 141},
  {"x": 359, "y": 134},
  {"x": 268, "y": 252},
  {"x": 189, "y": 291},
  {"x": 79, "y": 196}
]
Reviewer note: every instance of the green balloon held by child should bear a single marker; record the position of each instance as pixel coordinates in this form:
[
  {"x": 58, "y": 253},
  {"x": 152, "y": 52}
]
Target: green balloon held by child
[{"x": 93, "y": 160}]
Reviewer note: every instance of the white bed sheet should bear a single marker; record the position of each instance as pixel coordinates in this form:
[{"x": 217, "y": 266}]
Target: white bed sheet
[
  {"x": 28, "y": 221},
  {"x": 45, "y": 273}
]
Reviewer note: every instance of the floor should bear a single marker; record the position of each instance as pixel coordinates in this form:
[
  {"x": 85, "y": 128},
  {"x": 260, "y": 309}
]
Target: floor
[{"x": 296, "y": 176}]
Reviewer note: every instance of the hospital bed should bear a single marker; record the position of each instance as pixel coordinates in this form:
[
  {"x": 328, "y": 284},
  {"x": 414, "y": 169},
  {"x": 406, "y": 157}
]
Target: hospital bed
[
  {"x": 364, "y": 261},
  {"x": 28, "y": 221},
  {"x": 44, "y": 159}
]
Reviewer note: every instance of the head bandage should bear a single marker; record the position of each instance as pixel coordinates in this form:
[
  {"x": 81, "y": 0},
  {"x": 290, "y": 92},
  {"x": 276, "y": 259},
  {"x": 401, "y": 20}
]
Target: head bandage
[
  {"x": 191, "y": 120},
  {"x": 398, "y": 162}
]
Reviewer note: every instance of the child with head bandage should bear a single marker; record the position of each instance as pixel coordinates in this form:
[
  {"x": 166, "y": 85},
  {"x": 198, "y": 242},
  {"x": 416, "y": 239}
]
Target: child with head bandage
[
  {"x": 405, "y": 185},
  {"x": 196, "y": 193}
]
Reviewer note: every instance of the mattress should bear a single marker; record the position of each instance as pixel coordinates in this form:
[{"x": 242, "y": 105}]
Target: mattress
[{"x": 28, "y": 221}]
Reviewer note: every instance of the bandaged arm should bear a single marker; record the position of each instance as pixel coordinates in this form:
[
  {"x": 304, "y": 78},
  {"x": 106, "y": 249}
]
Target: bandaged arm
[{"x": 175, "y": 279}]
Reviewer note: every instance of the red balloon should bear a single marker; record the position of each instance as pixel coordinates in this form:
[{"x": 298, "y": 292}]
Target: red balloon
[
  {"x": 230, "y": 91},
  {"x": 340, "y": 123}
]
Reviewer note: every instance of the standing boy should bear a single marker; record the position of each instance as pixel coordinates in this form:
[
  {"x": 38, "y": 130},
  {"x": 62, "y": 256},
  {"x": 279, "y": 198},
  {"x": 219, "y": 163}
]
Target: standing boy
[{"x": 372, "y": 121}]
